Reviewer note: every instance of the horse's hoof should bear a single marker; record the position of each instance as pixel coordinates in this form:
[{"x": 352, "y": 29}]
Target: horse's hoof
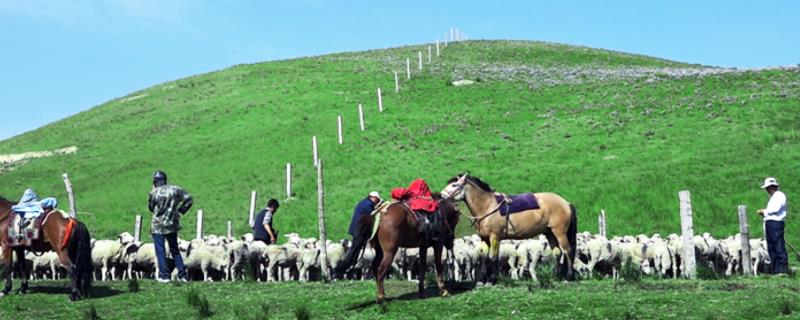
[
  {"x": 381, "y": 300},
  {"x": 445, "y": 293},
  {"x": 479, "y": 284},
  {"x": 22, "y": 291},
  {"x": 420, "y": 295}
]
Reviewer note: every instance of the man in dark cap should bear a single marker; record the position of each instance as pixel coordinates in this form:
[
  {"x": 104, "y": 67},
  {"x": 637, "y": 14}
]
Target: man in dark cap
[{"x": 167, "y": 203}]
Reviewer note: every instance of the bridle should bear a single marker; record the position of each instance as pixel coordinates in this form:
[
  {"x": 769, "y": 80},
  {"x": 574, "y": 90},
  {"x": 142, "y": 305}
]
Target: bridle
[{"x": 474, "y": 222}]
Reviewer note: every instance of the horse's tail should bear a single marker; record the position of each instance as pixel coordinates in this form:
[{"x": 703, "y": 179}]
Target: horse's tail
[
  {"x": 363, "y": 233},
  {"x": 80, "y": 253},
  {"x": 572, "y": 233}
]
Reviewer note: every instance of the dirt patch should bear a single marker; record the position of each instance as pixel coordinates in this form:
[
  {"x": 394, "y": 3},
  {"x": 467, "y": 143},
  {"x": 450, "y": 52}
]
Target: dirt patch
[{"x": 9, "y": 162}]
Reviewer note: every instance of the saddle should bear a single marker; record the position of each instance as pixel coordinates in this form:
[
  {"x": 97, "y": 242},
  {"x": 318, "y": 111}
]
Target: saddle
[
  {"x": 429, "y": 225},
  {"x": 19, "y": 236},
  {"x": 510, "y": 204}
]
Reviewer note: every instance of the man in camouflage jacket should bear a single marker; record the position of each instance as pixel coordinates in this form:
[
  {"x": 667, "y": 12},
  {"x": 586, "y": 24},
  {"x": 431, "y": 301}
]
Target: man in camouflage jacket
[{"x": 167, "y": 203}]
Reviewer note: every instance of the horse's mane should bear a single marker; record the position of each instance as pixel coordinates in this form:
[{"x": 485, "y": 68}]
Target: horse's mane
[{"x": 475, "y": 180}]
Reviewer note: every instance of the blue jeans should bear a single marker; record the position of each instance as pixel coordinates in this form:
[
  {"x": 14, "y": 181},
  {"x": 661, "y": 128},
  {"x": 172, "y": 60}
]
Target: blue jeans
[
  {"x": 776, "y": 246},
  {"x": 158, "y": 242}
]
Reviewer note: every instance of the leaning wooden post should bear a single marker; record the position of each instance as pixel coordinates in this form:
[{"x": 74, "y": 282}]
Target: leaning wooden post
[
  {"x": 380, "y": 100},
  {"x": 252, "y": 208},
  {"x": 199, "y": 234},
  {"x": 314, "y": 149},
  {"x": 288, "y": 180},
  {"x": 601, "y": 222},
  {"x": 687, "y": 230},
  {"x": 339, "y": 128},
  {"x": 361, "y": 116},
  {"x": 419, "y": 54},
  {"x": 323, "y": 237},
  {"x": 437, "y": 47},
  {"x": 230, "y": 231},
  {"x": 72, "y": 211},
  {"x": 744, "y": 232},
  {"x": 429, "y": 54},
  {"x": 408, "y": 69},
  {"x": 137, "y": 228},
  {"x": 396, "y": 83}
]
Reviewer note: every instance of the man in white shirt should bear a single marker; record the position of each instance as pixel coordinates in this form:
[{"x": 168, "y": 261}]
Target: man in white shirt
[{"x": 773, "y": 215}]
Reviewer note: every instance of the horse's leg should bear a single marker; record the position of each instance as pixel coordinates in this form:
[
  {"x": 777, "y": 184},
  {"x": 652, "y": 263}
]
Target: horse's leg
[
  {"x": 23, "y": 271},
  {"x": 423, "y": 257},
  {"x": 563, "y": 243},
  {"x": 71, "y": 272},
  {"x": 493, "y": 265},
  {"x": 383, "y": 269},
  {"x": 437, "y": 260},
  {"x": 7, "y": 259}
]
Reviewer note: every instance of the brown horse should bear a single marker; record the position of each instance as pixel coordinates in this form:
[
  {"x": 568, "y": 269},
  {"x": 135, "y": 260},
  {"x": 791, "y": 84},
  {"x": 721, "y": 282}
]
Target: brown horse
[
  {"x": 556, "y": 219},
  {"x": 75, "y": 254},
  {"x": 397, "y": 228}
]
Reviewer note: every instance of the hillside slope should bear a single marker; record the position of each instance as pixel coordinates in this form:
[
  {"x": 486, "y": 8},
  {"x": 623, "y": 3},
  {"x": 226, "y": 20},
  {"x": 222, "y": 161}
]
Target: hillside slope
[{"x": 604, "y": 129}]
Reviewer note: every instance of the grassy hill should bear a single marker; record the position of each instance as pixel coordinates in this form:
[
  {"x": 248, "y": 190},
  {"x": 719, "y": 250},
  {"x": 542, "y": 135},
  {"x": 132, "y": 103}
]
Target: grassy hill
[{"x": 604, "y": 129}]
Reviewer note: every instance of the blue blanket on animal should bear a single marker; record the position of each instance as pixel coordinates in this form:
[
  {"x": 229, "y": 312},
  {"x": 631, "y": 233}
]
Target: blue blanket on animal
[{"x": 519, "y": 202}]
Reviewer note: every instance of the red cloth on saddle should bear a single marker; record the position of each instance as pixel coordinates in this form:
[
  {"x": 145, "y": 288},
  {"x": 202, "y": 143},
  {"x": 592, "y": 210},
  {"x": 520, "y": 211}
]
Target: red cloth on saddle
[{"x": 417, "y": 195}]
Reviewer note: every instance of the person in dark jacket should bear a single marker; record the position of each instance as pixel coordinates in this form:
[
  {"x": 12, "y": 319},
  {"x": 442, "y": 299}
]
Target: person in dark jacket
[
  {"x": 167, "y": 203},
  {"x": 364, "y": 207},
  {"x": 262, "y": 226}
]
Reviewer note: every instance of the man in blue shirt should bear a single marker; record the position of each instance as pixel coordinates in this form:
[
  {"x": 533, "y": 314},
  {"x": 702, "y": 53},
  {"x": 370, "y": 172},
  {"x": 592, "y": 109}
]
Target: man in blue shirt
[
  {"x": 364, "y": 207},
  {"x": 262, "y": 226},
  {"x": 774, "y": 214}
]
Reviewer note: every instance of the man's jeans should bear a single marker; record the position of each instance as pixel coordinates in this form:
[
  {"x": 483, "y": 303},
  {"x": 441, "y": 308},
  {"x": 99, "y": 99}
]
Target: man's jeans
[
  {"x": 158, "y": 241},
  {"x": 776, "y": 246}
]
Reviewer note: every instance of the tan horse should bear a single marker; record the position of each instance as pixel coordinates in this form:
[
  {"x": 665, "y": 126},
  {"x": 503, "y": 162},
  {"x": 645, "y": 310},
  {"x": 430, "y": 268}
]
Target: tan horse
[
  {"x": 556, "y": 219},
  {"x": 397, "y": 228},
  {"x": 74, "y": 252}
]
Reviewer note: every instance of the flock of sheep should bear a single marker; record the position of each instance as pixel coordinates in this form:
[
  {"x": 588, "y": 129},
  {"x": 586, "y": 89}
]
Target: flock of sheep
[{"x": 215, "y": 258}]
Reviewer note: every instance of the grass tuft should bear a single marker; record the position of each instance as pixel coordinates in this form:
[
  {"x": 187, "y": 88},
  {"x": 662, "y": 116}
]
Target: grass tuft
[
  {"x": 133, "y": 285},
  {"x": 302, "y": 313},
  {"x": 786, "y": 307},
  {"x": 630, "y": 273},
  {"x": 263, "y": 314},
  {"x": 90, "y": 313}
]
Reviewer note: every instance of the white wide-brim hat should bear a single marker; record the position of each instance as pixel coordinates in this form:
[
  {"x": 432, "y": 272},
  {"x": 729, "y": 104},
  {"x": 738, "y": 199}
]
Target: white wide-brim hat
[
  {"x": 769, "y": 182},
  {"x": 375, "y": 194}
]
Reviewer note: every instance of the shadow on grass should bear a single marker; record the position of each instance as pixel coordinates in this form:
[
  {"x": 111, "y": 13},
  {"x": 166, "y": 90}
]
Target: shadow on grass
[
  {"x": 96, "y": 292},
  {"x": 431, "y": 292}
]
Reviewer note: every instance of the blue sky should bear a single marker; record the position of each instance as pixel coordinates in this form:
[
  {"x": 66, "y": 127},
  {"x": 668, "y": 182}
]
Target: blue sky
[{"x": 60, "y": 57}]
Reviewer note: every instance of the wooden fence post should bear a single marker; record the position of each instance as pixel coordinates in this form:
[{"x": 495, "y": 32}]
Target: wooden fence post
[
  {"x": 380, "y": 100},
  {"x": 199, "y": 234},
  {"x": 339, "y": 128},
  {"x": 396, "y": 83},
  {"x": 230, "y": 231},
  {"x": 437, "y": 47},
  {"x": 361, "y": 116},
  {"x": 252, "y": 208},
  {"x": 323, "y": 237},
  {"x": 72, "y": 211},
  {"x": 687, "y": 230},
  {"x": 452, "y": 35},
  {"x": 419, "y": 54},
  {"x": 288, "y": 180},
  {"x": 137, "y": 228},
  {"x": 603, "y": 227},
  {"x": 445, "y": 38},
  {"x": 314, "y": 149},
  {"x": 429, "y": 54},
  {"x": 744, "y": 233},
  {"x": 408, "y": 69}
]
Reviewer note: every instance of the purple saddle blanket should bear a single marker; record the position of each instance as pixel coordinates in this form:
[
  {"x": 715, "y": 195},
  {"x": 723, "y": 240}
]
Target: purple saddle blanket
[{"x": 519, "y": 202}]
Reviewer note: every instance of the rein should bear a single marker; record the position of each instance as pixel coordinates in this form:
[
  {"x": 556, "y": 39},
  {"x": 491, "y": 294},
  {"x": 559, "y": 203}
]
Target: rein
[{"x": 476, "y": 222}]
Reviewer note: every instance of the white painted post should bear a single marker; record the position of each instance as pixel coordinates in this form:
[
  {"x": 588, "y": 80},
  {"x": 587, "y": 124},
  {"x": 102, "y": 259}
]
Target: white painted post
[
  {"x": 408, "y": 68},
  {"x": 429, "y": 54},
  {"x": 396, "y": 83},
  {"x": 230, "y": 231},
  {"x": 314, "y": 149},
  {"x": 452, "y": 37},
  {"x": 361, "y": 116},
  {"x": 437, "y": 47},
  {"x": 380, "y": 100},
  {"x": 252, "y": 208},
  {"x": 288, "y": 180},
  {"x": 199, "y": 234},
  {"x": 687, "y": 230},
  {"x": 456, "y": 36},
  {"x": 445, "y": 38},
  {"x": 321, "y": 213},
  {"x": 419, "y": 54},
  {"x": 72, "y": 211},
  {"x": 602, "y": 223},
  {"x": 339, "y": 126},
  {"x": 744, "y": 232},
  {"x": 137, "y": 228}
]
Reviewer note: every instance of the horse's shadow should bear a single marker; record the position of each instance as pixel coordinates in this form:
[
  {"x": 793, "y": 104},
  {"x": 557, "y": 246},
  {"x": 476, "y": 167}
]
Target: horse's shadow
[
  {"x": 96, "y": 292},
  {"x": 431, "y": 292}
]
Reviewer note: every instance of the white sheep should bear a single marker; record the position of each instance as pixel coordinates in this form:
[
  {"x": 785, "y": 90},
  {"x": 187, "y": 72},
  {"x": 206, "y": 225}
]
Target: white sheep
[
  {"x": 47, "y": 262},
  {"x": 106, "y": 255},
  {"x": 206, "y": 262}
]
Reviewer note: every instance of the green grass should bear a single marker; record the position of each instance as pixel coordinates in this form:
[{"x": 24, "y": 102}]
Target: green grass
[
  {"x": 736, "y": 298},
  {"x": 620, "y": 143}
]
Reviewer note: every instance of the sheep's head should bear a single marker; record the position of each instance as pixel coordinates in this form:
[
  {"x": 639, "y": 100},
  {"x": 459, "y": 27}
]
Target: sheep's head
[{"x": 125, "y": 238}]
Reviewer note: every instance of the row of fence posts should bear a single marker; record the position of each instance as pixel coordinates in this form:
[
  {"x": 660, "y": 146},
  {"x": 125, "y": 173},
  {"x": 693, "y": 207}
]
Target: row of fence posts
[{"x": 687, "y": 235}]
